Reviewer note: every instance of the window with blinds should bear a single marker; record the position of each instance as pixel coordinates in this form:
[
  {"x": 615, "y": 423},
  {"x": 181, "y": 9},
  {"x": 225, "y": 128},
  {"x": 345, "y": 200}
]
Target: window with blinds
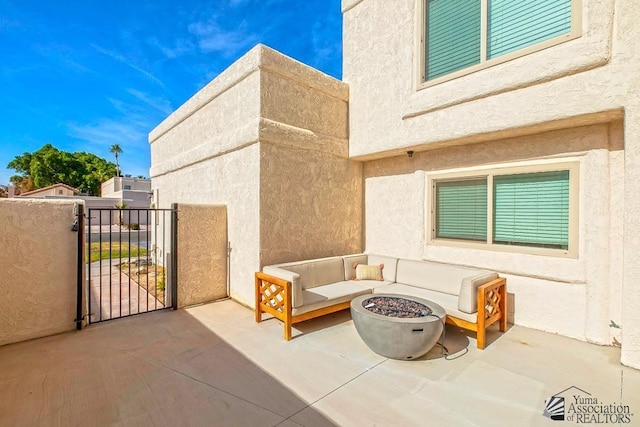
[
  {"x": 453, "y": 36},
  {"x": 461, "y": 34},
  {"x": 518, "y": 206},
  {"x": 516, "y": 24},
  {"x": 532, "y": 209},
  {"x": 461, "y": 209}
]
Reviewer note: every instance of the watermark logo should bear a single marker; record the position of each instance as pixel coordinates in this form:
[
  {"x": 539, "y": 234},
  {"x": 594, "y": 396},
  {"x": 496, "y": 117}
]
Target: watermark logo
[
  {"x": 554, "y": 408},
  {"x": 577, "y": 406}
]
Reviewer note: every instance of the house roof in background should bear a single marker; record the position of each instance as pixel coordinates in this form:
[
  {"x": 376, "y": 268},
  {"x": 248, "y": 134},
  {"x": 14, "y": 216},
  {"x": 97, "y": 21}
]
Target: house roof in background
[{"x": 68, "y": 187}]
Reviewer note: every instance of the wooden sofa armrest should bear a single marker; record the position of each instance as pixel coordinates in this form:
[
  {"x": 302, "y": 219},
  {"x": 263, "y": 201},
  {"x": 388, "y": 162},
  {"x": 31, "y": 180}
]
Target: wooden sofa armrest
[
  {"x": 273, "y": 296},
  {"x": 492, "y": 306},
  {"x": 492, "y": 303}
]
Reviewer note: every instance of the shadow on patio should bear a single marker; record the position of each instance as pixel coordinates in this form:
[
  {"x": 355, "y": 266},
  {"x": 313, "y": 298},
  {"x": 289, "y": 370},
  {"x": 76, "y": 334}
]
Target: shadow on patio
[{"x": 163, "y": 368}]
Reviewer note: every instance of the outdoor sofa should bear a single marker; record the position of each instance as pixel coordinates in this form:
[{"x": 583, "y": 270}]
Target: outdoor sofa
[{"x": 297, "y": 291}]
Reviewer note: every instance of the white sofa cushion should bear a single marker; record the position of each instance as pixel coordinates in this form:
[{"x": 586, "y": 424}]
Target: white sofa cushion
[
  {"x": 317, "y": 272},
  {"x": 373, "y": 284},
  {"x": 446, "y": 301},
  {"x": 455, "y": 286},
  {"x": 326, "y": 295},
  {"x": 433, "y": 275},
  {"x": 468, "y": 299}
]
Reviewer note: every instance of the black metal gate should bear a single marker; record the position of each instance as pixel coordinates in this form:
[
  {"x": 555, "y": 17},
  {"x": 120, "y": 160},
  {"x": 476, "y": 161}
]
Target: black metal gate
[{"x": 130, "y": 256}]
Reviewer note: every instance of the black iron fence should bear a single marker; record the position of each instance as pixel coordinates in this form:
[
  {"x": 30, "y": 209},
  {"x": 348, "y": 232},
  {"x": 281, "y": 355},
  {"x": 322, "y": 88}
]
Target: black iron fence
[{"x": 130, "y": 255}]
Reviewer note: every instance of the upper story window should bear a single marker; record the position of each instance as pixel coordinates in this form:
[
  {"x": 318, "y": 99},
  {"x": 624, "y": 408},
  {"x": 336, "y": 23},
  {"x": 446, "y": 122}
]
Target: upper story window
[
  {"x": 127, "y": 187},
  {"x": 463, "y": 36}
]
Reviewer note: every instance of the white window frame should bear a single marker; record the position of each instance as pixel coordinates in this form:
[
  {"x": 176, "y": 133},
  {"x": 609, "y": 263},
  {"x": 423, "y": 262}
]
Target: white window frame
[
  {"x": 574, "y": 180},
  {"x": 421, "y": 8}
]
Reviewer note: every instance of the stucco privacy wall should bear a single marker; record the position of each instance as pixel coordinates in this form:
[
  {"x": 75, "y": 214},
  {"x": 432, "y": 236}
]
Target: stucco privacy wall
[
  {"x": 231, "y": 180},
  {"x": 311, "y": 205},
  {"x": 311, "y": 194},
  {"x": 573, "y": 297},
  {"x": 270, "y": 111},
  {"x": 206, "y": 152},
  {"x": 202, "y": 247},
  {"x": 38, "y": 260},
  {"x": 627, "y": 54}
]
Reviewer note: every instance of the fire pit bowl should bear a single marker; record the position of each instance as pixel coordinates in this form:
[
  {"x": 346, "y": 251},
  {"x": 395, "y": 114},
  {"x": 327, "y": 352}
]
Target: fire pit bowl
[{"x": 398, "y": 326}]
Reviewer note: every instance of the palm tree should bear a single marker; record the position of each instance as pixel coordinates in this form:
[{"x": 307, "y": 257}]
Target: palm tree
[{"x": 115, "y": 149}]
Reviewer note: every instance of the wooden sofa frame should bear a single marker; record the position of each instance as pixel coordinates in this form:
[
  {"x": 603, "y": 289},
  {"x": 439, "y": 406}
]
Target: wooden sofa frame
[
  {"x": 273, "y": 296},
  {"x": 492, "y": 307}
]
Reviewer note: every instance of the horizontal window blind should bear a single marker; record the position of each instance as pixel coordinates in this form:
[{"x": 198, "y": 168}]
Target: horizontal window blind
[
  {"x": 452, "y": 36},
  {"x": 532, "y": 209},
  {"x": 516, "y": 24},
  {"x": 461, "y": 209}
]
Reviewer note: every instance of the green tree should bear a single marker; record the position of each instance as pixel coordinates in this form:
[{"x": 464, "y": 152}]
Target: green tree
[
  {"x": 22, "y": 184},
  {"x": 48, "y": 166},
  {"x": 116, "y": 150}
]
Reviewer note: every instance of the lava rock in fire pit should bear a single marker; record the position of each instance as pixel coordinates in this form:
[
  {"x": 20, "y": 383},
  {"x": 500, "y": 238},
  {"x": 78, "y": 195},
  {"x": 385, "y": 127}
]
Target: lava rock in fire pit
[{"x": 396, "y": 307}]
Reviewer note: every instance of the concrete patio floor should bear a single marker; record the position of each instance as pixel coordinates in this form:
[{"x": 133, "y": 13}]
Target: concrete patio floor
[
  {"x": 114, "y": 294},
  {"x": 213, "y": 365}
]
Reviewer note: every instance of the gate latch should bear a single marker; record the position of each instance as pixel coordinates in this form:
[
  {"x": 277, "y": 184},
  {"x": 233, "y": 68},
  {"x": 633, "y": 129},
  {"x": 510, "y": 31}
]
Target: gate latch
[{"x": 74, "y": 226}]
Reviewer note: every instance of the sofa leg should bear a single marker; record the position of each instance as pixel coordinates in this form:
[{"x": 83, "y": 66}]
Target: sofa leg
[
  {"x": 503, "y": 309},
  {"x": 503, "y": 323},
  {"x": 258, "y": 298},
  {"x": 481, "y": 335},
  {"x": 287, "y": 331}
]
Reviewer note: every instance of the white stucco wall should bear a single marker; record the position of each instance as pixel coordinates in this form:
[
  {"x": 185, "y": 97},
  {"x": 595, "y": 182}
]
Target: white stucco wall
[
  {"x": 590, "y": 80},
  {"x": 578, "y": 296},
  {"x": 627, "y": 49},
  {"x": 240, "y": 141},
  {"x": 38, "y": 261},
  {"x": 631, "y": 241},
  {"x": 228, "y": 180},
  {"x": 207, "y": 152},
  {"x": 580, "y": 77}
]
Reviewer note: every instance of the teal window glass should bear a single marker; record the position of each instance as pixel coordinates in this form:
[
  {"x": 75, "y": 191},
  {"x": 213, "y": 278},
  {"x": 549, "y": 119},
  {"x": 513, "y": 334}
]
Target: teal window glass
[
  {"x": 461, "y": 209},
  {"x": 452, "y": 36},
  {"x": 453, "y": 33},
  {"x": 516, "y": 24},
  {"x": 532, "y": 209}
]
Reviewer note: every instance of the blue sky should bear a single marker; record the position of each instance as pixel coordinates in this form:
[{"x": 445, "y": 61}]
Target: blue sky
[{"x": 84, "y": 75}]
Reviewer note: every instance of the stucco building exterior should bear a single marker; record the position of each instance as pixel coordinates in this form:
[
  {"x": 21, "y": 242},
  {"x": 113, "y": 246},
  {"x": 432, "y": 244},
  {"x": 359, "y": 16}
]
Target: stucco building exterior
[
  {"x": 527, "y": 118},
  {"x": 268, "y": 139},
  {"x": 134, "y": 191},
  {"x": 55, "y": 190}
]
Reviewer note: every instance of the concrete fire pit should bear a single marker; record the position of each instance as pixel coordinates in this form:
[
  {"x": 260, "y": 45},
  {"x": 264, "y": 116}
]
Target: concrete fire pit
[{"x": 398, "y": 326}]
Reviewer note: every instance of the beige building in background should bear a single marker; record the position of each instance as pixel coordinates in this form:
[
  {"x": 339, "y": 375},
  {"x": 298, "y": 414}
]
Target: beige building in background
[
  {"x": 309, "y": 166},
  {"x": 126, "y": 188},
  {"x": 55, "y": 190}
]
